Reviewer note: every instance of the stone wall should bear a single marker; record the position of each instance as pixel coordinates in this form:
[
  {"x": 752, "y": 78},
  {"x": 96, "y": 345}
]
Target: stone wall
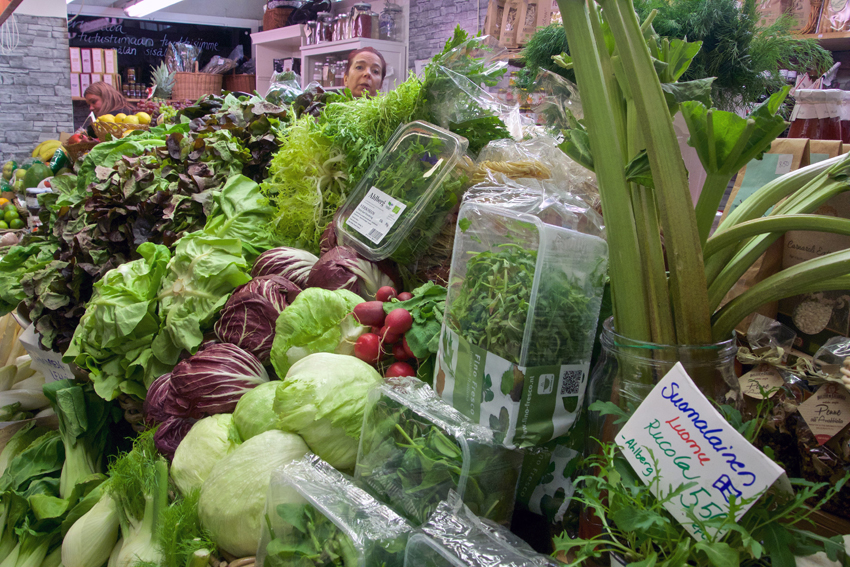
[
  {"x": 35, "y": 91},
  {"x": 433, "y": 21}
]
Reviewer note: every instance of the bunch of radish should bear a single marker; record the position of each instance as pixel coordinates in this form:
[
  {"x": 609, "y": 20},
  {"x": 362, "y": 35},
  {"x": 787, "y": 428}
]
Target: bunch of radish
[{"x": 387, "y": 335}]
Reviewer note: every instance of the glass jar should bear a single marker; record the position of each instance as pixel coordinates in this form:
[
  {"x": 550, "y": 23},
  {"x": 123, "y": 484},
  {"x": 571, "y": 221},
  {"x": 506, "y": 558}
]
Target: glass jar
[
  {"x": 344, "y": 29},
  {"x": 325, "y": 27},
  {"x": 375, "y": 25},
  {"x": 830, "y": 114},
  {"x": 391, "y": 23},
  {"x": 804, "y": 117},
  {"x": 361, "y": 20},
  {"x": 845, "y": 117},
  {"x": 339, "y": 73},
  {"x": 311, "y": 33}
]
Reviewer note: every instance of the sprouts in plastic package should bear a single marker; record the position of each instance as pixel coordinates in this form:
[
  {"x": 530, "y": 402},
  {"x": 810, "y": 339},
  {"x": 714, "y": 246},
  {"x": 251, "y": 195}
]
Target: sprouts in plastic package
[
  {"x": 415, "y": 448},
  {"x": 316, "y": 517},
  {"x": 455, "y": 537},
  {"x": 401, "y": 204},
  {"x": 521, "y": 313}
]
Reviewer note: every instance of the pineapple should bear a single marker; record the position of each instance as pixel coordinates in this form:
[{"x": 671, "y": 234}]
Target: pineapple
[{"x": 163, "y": 81}]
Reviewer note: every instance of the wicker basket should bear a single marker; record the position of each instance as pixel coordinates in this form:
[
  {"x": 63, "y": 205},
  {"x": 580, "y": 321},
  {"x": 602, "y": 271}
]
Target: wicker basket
[
  {"x": 110, "y": 130},
  {"x": 276, "y": 18},
  {"x": 195, "y": 85},
  {"x": 240, "y": 83},
  {"x": 76, "y": 151}
]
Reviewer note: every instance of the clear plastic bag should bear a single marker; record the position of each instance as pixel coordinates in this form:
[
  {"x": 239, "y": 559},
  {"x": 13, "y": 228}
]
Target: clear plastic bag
[
  {"x": 523, "y": 303},
  {"x": 219, "y": 65},
  {"x": 415, "y": 448},
  {"x": 316, "y": 516},
  {"x": 558, "y": 105},
  {"x": 181, "y": 57},
  {"x": 285, "y": 87},
  {"x": 768, "y": 335},
  {"x": 455, "y": 537},
  {"x": 237, "y": 55}
]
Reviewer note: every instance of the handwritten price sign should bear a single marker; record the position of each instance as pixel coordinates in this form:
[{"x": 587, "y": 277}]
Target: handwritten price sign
[{"x": 676, "y": 437}]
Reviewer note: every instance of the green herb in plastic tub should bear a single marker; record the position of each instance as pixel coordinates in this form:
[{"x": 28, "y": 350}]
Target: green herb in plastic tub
[
  {"x": 521, "y": 313},
  {"x": 400, "y": 205},
  {"x": 455, "y": 537},
  {"x": 416, "y": 448},
  {"x": 316, "y": 517}
]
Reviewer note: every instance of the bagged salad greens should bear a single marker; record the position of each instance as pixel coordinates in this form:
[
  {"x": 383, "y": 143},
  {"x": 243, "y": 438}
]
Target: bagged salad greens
[
  {"x": 455, "y": 537},
  {"x": 402, "y": 202},
  {"x": 415, "y": 448},
  {"x": 316, "y": 517}
]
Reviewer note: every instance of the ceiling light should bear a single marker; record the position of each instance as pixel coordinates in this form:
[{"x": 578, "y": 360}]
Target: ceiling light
[{"x": 145, "y": 7}]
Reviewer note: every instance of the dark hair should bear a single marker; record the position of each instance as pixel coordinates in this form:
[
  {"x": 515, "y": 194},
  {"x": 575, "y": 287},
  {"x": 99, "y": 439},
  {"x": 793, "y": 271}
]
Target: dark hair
[{"x": 354, "y": 53}]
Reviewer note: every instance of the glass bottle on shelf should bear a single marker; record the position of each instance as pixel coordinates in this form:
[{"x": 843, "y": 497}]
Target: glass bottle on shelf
[
  {"x": 344, "y": 27},
  {"x": 311, "y": 33},
  {"x": 339, "y": 73},
  {"x": 361, "y": 20},
  {"x": 391, "y": 23},
  {"x": 325, "y": 27},
  {"x": 374, "y": 25},
  {"x": 327, "y": 77},
  {"x": 317, "y": 72}
]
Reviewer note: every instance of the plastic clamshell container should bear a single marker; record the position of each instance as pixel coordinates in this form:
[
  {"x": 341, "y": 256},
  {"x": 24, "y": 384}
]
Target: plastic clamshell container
[
  {"x": 352, "y": 528},
  {"x": 455, "y": 537},
  {"x": 523, "y": 299},
  {"x": 415, "y": 449},
  {"x": 400, "y": 204}
]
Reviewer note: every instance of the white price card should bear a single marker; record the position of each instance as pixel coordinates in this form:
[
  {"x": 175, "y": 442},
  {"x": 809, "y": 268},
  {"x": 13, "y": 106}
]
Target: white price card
[
  {"x": 375, "y": 215},
  {"x": 783, "y": 164},
  {"x": 47, "y": 362},
  {"x": 676, "y": 437}
]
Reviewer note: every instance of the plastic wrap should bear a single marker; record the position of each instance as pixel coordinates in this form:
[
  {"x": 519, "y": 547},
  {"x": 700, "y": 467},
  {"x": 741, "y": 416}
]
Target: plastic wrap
[
  {"x": 455, "y": 537},
  {"x": 537, "y": 163},
  {"x": 316, "y": 517},
  {"x": 401, "y": 204},
  {"x": 559, "y": 107},
  {"x": 284, "y": 88},
  {"x": 219, "y": 65},
  {"x": 415, "y": 448},
  {"x": 181, "y": 57},
  {"x": 524, "y": 300}
]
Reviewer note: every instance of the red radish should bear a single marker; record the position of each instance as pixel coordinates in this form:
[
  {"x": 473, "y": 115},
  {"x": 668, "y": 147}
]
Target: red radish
[
  {"x": 399, "y": 321},
  {"x": 407, "y": 348},
  {"x": 368, "y": 348},
  {"x": 370, "y": 313},
  {"x": 400, "y": 353},
  {"x": 386, "y": 293},
  {"x": 399, "y": 369},
  {"x": 388, "y": 336},
  {"x": 404, "y": 296}
]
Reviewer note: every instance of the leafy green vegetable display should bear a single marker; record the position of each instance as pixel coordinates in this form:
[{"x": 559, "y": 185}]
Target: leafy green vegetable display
[
  {"x": 491, "y": 308},
  {"x": 18, "y": 261},
  {"x": 415, "y": 448}
]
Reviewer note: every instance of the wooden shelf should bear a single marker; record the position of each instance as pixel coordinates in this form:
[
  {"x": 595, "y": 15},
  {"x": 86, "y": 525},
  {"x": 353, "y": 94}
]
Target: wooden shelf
[
  {"x": 833, "y": 41},
  {"x": 130, "y": 100}
]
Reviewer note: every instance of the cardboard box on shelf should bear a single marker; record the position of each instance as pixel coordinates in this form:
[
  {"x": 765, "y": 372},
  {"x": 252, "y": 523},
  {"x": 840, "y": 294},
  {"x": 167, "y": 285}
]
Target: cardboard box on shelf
[
  {"x": 534, "y": 14},
  {"x": 85, "y": 82},
  {"x": 97, "y": 61},
  {"x": 110, "y": 61},
  {"x": 493, "y": 20},
  {"x": 509, "y": 28},
  {"x": 75, "y": 85},
  {"x": 85, "y": 54},
  {"x": 96, "y": 78},
  {"x": 76, "y": 60},
  {"x": 109, "y": 80}
]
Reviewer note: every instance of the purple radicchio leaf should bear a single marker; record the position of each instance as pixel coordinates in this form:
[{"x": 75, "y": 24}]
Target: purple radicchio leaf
[
  {"x": 291, "y": 263},
  {"x": 170, "y": 434},
  {"x": 279, "y": 290},
  {"x": 155, "y": 402},
  {"x": 343, "y": 268},
  {"x": 212, "y": 380}
]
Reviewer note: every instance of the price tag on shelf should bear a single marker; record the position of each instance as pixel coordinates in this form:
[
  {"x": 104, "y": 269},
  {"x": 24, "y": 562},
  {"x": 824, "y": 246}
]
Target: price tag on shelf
[{"x": 676, "y": 437}]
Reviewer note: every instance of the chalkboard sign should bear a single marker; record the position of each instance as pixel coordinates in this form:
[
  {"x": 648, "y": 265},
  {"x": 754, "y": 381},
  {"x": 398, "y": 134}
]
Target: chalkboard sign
[{"x": 142, "y": 43}]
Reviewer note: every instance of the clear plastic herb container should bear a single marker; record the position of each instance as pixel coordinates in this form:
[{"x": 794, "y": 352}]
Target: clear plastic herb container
[
  {"x": 455, "y": 537},
  {"x": 523, "y": 303},
  {"x": 401, "y": 203},
  {"x": 415, "y": 449},
  {"x": 316, "y": 516}
]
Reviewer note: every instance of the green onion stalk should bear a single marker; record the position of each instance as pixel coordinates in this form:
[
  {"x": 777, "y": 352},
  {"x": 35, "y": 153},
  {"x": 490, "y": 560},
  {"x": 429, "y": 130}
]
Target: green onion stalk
[{"x": 672, "y": 293}]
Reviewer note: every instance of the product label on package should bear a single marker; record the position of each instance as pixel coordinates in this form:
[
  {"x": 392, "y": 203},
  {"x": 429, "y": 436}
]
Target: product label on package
[
  {"x": 375, "y": 215},
  {"x": 827, "y": 412},
  {"x": 47, "y": 362},
  {"x": 765, "y": 377},
  {"x": 676, "y": 437}
]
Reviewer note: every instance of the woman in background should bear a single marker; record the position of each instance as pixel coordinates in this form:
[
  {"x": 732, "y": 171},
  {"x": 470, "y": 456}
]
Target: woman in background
[
  {"x": 366, "y": 71},
  {"x": 103, "y": 98}
]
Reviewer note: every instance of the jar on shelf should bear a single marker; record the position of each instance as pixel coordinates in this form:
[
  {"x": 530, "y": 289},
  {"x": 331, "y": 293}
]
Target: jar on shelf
[
  {"x": 375, "y": 24},
  {"x": 361, "y": 20},
  {"x": 391, "y": 23},
  {"x": 311, "y": 33},
  {"x": 817, "y": 114},
  {"x": 325, "y": 27},
  {"x": 339, "y": 73},
  {"x": 342, "y": 29}
]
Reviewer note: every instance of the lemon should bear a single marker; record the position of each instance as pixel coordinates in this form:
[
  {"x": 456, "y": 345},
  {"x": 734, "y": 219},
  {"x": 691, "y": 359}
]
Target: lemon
[
  {"x": 106, "y": 118},
  {"x": 120, "y": 117},
  {"x": 144, "y": 117},
  {"x": 132, "y": 119}
]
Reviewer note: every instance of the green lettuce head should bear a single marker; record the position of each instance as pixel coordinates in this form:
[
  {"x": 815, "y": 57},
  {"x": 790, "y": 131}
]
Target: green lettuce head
[
  {"x": 322, "y": 399},
  {"x": 317, "y": 321}
]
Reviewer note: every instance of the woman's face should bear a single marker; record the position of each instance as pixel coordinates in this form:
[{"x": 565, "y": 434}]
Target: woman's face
[
  {"x": 364, "y": 74},
  {"x": 95, "y": 103}
]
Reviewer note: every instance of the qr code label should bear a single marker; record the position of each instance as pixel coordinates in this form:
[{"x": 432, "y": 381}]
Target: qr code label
[{"x": 571, "y": 382}]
